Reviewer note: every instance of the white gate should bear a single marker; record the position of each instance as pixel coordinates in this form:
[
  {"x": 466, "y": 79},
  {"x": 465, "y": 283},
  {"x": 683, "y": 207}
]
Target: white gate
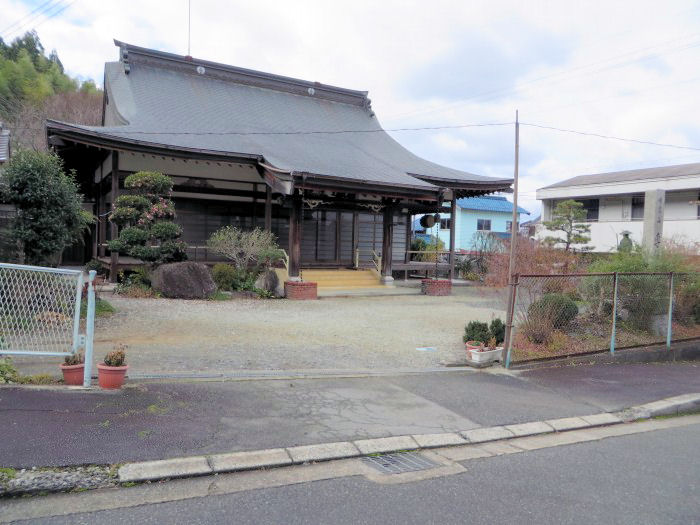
[{"x": 40, "y": 310}]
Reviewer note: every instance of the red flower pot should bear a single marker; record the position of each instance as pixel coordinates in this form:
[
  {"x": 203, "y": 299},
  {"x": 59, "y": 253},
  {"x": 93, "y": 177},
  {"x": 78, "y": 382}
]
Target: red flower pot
[
  {"x": 73, "y": 374},
  {"x": 474, "y": 345},
  {"x": 111, "y": 376}
]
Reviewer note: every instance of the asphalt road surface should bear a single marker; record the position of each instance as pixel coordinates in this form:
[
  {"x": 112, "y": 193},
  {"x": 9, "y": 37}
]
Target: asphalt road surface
[{"x": 647, "y": 478}]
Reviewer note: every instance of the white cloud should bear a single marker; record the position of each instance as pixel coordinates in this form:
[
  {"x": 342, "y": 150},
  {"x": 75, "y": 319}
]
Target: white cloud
[{"x": 625, "y": 68}]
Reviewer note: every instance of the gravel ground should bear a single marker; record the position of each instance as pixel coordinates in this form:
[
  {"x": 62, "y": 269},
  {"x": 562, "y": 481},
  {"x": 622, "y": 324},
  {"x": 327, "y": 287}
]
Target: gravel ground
[
  {"x": 40, "y": 481},
  {"x": 168, "y": 336}
]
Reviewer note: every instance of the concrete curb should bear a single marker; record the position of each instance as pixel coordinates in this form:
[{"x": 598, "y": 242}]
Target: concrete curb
[
  {"x": 271, "y": 458},
  {"x": 670, "y": 406}
]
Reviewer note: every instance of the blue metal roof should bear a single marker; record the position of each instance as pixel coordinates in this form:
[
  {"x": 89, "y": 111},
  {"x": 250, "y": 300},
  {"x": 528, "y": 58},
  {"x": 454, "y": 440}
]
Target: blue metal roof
[{"x": 489, "y": 203}]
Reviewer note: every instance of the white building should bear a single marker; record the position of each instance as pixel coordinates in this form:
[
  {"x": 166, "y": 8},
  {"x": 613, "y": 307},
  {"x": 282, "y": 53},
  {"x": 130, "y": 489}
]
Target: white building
[{"x": 614, "y": 203}]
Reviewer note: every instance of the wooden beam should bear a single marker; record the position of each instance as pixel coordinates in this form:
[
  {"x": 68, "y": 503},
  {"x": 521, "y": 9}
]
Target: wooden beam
[
  {"x": 295, "y": 219},
  {"x": 268, "y": 208},
  {"x": 453, "y": 226},
  {"x": 114, "y": 259},
  {"x": 387, "y": 242}
]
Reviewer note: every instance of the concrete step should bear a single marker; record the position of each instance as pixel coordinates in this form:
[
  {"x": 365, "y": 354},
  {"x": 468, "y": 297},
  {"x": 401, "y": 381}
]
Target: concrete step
[{"x": 342, "y": 279}]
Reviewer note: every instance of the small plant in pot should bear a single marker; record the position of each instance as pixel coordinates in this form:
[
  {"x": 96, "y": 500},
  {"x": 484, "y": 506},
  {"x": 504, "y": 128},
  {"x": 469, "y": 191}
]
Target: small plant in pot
[
  {"x": 110, "y": 374},
  {"x": 73, "y": 368},
  {"x": 476, "y": 333}
]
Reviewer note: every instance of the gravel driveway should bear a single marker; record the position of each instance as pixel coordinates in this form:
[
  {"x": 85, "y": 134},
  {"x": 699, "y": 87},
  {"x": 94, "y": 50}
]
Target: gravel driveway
[{"x": 168, "y": 336}]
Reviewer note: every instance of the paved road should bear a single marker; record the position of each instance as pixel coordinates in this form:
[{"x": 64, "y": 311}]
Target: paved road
[
  {"x": 649, "y": 478},
  {"x": 161, "y": 420}
]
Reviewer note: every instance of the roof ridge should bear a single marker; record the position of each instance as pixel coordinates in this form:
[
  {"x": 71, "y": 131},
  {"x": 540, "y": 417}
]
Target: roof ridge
[{"x": 240, "y": 75}]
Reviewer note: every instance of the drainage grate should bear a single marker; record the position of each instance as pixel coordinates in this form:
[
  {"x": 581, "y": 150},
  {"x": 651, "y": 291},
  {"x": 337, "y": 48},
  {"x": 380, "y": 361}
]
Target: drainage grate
[{"x": 400, "y": 462}]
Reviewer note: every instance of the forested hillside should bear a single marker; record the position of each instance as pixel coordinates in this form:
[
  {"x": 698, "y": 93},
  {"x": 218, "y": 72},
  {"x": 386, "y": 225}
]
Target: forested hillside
[{"x": 34, "y": 87}]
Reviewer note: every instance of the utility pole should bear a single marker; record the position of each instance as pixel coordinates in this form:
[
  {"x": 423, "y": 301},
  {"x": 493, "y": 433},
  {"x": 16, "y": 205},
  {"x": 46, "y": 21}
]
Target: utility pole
[{"x": 514, "y": 226}]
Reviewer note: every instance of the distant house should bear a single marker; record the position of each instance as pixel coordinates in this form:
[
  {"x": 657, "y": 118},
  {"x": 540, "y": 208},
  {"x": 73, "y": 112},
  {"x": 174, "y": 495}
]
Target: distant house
[
  {"x": 488, "y": 213},
  {"x": 614, "y": 203},
  {"x": 4, "y": 145}
]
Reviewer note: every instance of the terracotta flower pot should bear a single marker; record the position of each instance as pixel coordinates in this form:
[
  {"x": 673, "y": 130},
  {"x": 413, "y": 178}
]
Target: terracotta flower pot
[
  {"x": 73, "y": 374},
  {"x": 111, "y": 376},
  {"x": 474, "y": 345}
]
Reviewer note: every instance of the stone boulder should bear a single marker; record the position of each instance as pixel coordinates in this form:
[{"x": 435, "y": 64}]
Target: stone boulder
[
  {"x": 270, "y": 281},
  {"x": 183, "y": 280}
]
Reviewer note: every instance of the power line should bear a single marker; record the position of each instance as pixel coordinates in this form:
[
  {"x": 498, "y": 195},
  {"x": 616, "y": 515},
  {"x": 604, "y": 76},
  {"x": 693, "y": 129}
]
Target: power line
[
  {"x": 506, "y": 90},
  {"x": 48, "y": 16},
  {"x": 21, "y": 20},
  {"x": 311, "y": 132},
  {"x": 422, "y": 128},
  {"x": 601, "y": 136}
]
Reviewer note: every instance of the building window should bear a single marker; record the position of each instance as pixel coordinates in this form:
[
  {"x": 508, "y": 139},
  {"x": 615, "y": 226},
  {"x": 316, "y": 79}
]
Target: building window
[
  {"x": 638, "y": 208},
  {"x": 483, "y": 225},
  {"x": 591, "y": 206},
  {"x": 509, "y": 225},
  {"x": 444, "y": 224}
]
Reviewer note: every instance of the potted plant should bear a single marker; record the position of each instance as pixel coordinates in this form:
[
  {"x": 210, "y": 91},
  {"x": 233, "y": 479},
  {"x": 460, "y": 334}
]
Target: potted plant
[
  {"x": 492, "y": 352},
  {"x": 73, "y": 368},
  {"x": 476, "y": 333},
  {"x": 110, "y": 374}
]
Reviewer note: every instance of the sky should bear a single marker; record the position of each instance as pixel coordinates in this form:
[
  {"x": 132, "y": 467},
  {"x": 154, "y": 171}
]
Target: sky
[{"x": 627, "y": 69}]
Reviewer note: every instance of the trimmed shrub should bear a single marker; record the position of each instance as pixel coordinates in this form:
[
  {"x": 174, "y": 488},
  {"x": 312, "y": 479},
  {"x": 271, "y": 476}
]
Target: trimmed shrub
[
  {"x": 166, "y": 230},
  {"x": 133, "y": 201},
  {"x": 224, "y": 276},
  {"x": 558, "y": 308},
  {"x": 497, "y": 329},
  {"x": 476, "y": 331}
]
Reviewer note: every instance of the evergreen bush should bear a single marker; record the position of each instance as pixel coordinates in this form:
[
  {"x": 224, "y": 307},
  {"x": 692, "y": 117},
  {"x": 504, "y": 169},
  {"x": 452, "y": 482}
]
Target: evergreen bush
[{"x": 148, "y": 232}]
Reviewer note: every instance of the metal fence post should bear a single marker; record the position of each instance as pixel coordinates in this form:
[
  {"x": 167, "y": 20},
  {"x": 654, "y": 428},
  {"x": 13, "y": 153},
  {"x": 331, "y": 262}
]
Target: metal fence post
[
  {"x": 511, "y": 320},
  {"x": 669, "y": 328},
  {"x": 614, "y": 315},
  {"x": 89, "y": 329}
]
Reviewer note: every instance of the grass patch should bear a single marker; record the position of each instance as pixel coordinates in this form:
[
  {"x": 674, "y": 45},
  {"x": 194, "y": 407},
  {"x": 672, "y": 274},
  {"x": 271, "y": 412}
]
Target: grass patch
[
  {"x": 8, "y": 473},
  {"x": 105, "y": 423},
  {"x": 102, "y": 308},
  {"x": 128, "y": 484},
  {"x": 37, "y": 379},
  {"x": 220, "y": 296},
  {"x": 681, "y": 414},
  {"x": 157, "y": 409},
  {"x": 143, "y": 434}
]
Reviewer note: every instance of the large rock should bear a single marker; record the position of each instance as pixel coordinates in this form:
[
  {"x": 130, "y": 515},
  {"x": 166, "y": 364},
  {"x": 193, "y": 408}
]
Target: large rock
[
  {"x": 183, "y": 280},
  {"x": 269, "y": 280}
]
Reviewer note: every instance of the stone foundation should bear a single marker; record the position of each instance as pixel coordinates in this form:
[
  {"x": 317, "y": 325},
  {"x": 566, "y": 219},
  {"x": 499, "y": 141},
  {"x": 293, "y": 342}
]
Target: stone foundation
[
  {"x": 300, "y": 290},
  {"x": 436, "y": 286}
]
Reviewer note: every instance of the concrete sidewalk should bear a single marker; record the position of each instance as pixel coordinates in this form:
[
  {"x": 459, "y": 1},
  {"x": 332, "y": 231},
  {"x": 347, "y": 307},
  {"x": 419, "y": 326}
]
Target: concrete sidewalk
[{"x": 55, "y": 427}]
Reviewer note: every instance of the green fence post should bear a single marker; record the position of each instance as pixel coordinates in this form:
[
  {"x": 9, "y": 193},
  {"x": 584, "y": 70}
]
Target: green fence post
[
  {"x": 614, "y": 314},
  {"x": 511, "y": 319},
  {"x": 669, "y": 328}
]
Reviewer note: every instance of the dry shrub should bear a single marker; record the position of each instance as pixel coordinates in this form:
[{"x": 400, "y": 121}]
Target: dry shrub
[
  {"x": 537, "y": 329},
  {"x": 531, "y": 258}
]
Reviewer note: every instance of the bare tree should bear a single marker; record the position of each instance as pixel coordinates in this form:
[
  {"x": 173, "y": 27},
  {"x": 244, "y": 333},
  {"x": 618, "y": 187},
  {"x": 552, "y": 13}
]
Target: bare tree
[{"x": 79, "y": 107}]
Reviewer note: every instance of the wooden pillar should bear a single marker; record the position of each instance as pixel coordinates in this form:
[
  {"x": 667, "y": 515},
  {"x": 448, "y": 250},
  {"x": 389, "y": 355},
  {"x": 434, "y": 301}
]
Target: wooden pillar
[
  {"x": 95, "y": 230},
  {"x": 268, "y": 208},
  {"x": 409, "y": 238},
  {"x": 295, "y": 220},
  {"x": 453, "y": 228},
  {"x": 387, "y": 241},
  {"x": 114, "y": 262}
]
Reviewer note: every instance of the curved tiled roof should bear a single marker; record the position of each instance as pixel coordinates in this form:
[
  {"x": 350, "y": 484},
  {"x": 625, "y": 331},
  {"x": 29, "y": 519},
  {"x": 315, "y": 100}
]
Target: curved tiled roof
[{"x": 174, "y": 101}]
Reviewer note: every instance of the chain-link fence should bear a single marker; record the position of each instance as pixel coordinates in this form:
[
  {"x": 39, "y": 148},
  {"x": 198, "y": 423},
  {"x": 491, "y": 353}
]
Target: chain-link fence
[
  {"x": 565, "y": 315},
  {"x": 40, "y": 312}
]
